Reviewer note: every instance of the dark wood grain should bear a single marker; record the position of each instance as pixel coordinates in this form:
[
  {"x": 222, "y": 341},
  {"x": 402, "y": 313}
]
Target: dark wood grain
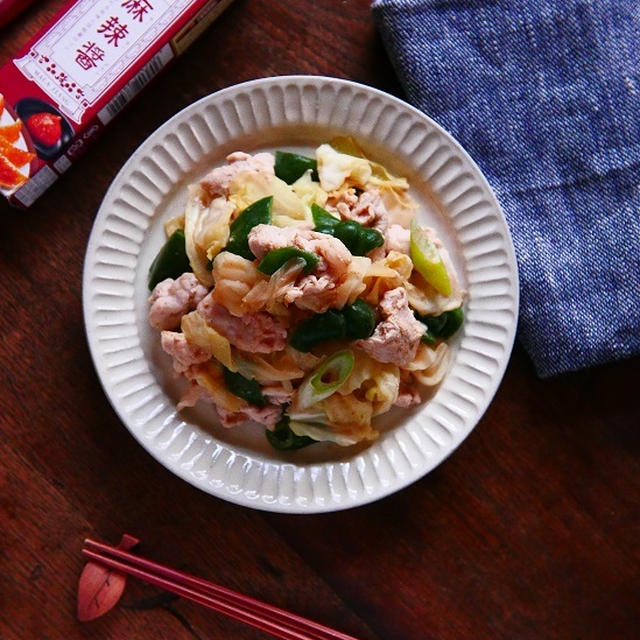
[{"x": 528, "y": 531}]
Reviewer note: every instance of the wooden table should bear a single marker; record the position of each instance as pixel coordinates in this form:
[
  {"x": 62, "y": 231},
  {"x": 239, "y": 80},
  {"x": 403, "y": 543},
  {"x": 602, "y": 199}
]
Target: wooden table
[{"x": 529, "y": 530}]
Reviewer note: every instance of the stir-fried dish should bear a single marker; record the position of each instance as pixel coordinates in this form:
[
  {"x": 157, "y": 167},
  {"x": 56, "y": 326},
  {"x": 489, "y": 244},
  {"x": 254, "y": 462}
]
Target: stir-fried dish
[{"x": 301, "y": 294}]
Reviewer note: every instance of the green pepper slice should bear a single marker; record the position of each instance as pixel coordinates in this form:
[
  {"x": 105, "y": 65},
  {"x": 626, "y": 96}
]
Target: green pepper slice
[
  {"x": 429, "y": 338},
  {"x": 324, "y": 222},
  {"x": 329, "y": 325},
  {"x": 275, "y": 258},
  {"x": 283, "y": 438},
  {"x": 171, "y": 261},
  {"x": 290, "y": 166},
  {"x": 453, "y": 322},
  {"x": 244, "y": 388},
  {"x": 256, "y": 213},
  {"x": 360, "y": 319},
  {"x": 442, "y": 326},
  {"x": 358, "y": 239},
  {"x": 435, "y": 323}
]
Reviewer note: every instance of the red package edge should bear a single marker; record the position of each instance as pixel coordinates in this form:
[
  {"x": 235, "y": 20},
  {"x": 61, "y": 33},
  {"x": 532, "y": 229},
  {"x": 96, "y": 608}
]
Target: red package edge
[{"x": 63, "y": 88}]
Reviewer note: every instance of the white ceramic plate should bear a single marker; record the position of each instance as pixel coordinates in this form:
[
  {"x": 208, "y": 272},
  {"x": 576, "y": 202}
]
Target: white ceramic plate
[{"x": 296, "y": 113}]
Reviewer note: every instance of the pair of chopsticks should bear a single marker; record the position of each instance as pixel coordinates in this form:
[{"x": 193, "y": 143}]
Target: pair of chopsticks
[{"x": 273, "y": 620}]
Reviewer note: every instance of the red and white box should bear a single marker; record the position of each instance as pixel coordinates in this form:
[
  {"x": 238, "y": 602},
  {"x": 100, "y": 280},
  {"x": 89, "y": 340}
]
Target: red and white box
[{"x": 65, "y": 86}]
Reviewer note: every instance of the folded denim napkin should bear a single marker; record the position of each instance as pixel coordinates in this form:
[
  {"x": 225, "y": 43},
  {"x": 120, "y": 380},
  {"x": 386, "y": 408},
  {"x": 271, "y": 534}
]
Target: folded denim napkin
[{"x": 545, "y": 96}]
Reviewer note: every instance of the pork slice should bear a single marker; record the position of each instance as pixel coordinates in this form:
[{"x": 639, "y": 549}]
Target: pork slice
[
  {"x": 184, "y": 353},
  {"x": 312, "y": 293},
  {"x": 347, "y": 196},
  {"x": 369, "y": 210},
  {"x": 217, "y": 182},
  {"x": 309, "y": 286},
  {"x": 397, "y": 238},
  {"x": 267, "y": 415},
  {"x": 277, "y": 394},
  {"x": 266, "y": 237},
  {"x": 408, "y": 396},
  {"x": 334, "y": 256},
  {"x": 193, "y": 395},
  {"x": 171, "y": 299},
  {"x": 397, "y": 337},
  {"x": 254, "y": 332}
]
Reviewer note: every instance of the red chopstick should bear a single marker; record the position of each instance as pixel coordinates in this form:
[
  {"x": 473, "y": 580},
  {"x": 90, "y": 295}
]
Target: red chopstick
[{"x": 278, "y": 622}]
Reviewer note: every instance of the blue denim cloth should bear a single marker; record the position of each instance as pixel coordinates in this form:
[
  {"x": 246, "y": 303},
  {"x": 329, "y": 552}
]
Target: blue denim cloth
[{"x": 545, "y": 96}]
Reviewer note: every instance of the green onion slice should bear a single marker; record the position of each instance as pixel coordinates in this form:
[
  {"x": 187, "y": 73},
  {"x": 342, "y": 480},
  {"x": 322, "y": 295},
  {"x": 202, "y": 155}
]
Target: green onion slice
[{"x": 326, "y": 379}]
